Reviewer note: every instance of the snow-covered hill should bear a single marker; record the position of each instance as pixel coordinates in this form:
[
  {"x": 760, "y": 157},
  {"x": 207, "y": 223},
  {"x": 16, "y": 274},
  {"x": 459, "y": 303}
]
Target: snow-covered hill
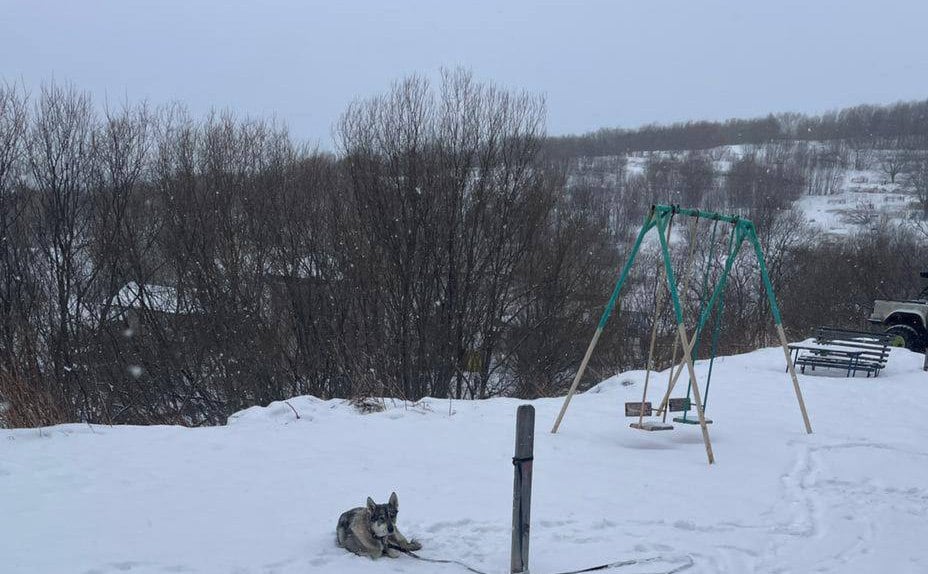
[
  {"x": 837, "y": 198},
  {"x": 263, "y": 493}
]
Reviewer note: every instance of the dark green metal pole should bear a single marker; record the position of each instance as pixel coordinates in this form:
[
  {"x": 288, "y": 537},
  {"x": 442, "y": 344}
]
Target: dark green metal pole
[
  {"x": 681, "y": 332},
  {"x": 648, "y": 224},
  {"x": 778, "y": 321}
]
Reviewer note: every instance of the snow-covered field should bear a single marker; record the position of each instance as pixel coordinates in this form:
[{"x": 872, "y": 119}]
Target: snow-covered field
[
  {"x": 263, "y": 494},
  {"x": 849, "y": 209}
]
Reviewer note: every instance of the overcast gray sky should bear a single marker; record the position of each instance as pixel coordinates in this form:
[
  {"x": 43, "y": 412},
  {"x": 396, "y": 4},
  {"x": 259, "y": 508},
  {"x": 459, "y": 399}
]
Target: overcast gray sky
[{"x": 599, "y": 63}]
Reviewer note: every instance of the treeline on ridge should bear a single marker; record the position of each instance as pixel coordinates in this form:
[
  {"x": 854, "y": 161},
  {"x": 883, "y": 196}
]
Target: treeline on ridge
[
  {"x": 161, "y": 268},
  {"x": 896, "y": 126}
]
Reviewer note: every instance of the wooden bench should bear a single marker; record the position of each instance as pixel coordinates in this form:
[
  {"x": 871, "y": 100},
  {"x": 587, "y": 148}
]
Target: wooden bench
[{"x": 858, "y": 351}]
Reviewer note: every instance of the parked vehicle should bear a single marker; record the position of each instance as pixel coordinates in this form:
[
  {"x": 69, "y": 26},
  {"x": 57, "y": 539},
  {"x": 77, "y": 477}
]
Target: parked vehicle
[{"x": 906, "y": 319}]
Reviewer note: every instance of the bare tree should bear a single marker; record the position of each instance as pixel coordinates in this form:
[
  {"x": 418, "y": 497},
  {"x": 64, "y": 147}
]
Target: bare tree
[
  {"x": 892, "y": 164},
  {"x": 662, "y": 173},
  {"x": 763, "y": 183},
  {"x": 122, "y": 235},
  {"x": 449, "y": 198},
  {"x": 697, "y": 178},
  {"x": 17, "y": 346},
  {"x": 916, "y": 183},
  {"x": 862, "y": 148},
  {"x": 61, "y": 163}
]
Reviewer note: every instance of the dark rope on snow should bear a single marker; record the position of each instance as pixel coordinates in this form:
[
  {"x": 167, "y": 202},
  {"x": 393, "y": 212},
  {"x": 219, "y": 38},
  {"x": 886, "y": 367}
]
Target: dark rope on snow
[{"x": 611, "y": 565}]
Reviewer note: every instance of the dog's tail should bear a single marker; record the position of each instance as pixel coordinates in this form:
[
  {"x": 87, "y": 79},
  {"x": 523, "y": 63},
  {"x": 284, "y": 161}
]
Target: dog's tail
[{"x": 341, "y": 531}]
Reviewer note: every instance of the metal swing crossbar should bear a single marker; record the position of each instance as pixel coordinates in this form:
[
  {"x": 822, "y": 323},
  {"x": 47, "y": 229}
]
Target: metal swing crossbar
[{"x": 660, "y": 217}]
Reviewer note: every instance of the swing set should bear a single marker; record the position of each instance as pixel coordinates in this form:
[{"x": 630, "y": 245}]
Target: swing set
[{"x": 661, "y": 218}]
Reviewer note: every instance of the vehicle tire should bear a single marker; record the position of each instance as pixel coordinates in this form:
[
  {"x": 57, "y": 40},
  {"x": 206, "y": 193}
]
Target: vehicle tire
[{"x": 907, "y": 336}]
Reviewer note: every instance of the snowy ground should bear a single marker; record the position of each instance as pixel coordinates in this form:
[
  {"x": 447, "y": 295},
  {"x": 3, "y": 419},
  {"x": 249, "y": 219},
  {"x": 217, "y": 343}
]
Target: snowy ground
[
  {"x": 850, "y": 210},
  {"x": 263, "y": 494}
]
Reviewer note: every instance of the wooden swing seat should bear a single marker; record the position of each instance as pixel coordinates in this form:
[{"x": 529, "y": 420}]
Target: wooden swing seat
[
  {"x": 635, "y": 409},
  {"x": 688, "y": 421},
  {"x": 678, "y": 405},
  {"x": 651, "y": 426}
]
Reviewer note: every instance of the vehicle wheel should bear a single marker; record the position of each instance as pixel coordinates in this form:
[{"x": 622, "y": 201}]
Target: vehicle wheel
[{"x": 908, "y": 337}]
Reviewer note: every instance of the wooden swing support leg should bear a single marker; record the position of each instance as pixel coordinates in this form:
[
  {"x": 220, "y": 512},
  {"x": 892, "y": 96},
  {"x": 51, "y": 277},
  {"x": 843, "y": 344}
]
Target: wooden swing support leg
[
  {"x": 681, "y": 332},
  {"x": 577, "y": 377},
  {"x": 792, "y": 374},
  {"x": 675, "y": 372},
  {"x": 688, "y": 359},
  {"x": 648, "y": 224}
]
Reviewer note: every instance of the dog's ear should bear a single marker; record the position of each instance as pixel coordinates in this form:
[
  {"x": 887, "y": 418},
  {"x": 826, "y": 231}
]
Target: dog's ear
[
  {"x": 394, "y": 502},
  {"x": 371, "y": 506}
]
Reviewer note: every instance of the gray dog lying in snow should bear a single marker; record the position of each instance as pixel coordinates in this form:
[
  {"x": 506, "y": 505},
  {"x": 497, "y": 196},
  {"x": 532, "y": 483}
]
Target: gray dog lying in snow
[{"x": 371, "y": 530}]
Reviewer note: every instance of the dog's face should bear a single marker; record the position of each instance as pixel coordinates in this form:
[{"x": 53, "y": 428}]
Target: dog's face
[{"x": 383, "y": 516}]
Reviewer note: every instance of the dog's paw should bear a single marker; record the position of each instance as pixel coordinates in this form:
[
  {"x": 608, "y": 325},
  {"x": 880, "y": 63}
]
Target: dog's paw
[
  {"x": 393, "y": 553},
  {"x": 414, "y": 545}
]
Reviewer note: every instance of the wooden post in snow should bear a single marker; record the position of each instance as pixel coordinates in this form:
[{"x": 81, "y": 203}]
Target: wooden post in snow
[{"x": 522, "y": 487}]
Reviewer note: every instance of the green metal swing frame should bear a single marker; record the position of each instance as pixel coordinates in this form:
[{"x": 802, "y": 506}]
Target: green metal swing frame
[{"x": 659, "y": 217}]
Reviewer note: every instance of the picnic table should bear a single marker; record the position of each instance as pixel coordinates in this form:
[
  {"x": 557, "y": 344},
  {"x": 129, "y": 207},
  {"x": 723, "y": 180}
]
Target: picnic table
[{"x": 828, "y": 355}]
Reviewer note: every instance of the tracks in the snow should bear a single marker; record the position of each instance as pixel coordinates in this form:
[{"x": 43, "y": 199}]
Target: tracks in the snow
[{"x": 819, "y": 498}]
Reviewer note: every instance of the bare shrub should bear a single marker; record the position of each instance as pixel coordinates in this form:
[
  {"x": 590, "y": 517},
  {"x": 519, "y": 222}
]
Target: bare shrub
[{"x": 25, "y": 404}]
